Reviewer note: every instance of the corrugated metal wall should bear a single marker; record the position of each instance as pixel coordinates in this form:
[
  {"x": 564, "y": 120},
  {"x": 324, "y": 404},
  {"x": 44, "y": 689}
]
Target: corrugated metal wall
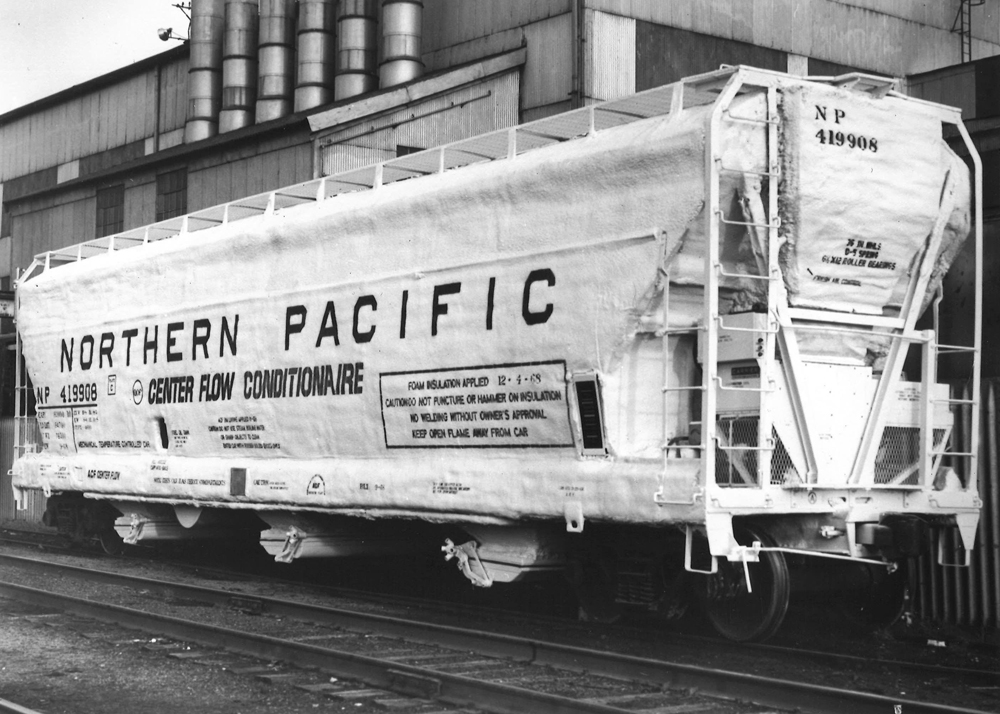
[
  {"x": 255, "y": 170},
  {"x": 69, "y": 217},
  {"x": 51, "y": 222},
  {"x": 107, "y": 118},
  {"x": 625, "y": 56},
  {"x": 547, "y": 81},
  {"x": 457, "y": 32},
  {"x": 611, "y": 59},
  {"x": 483, "y": 107},
  {"x": 968, "y": 596},
  {"x": 894, "y": 37},
  {"x": 668, "y": 54},
  {"x": 955, "y": 87},
  {"x": 448, "y": 23},
  {"x": 35, "y": 499},
  {"x": 140, "y": 201}
]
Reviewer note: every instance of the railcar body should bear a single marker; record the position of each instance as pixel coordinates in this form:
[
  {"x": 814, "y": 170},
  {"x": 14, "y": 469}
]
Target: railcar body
[{"x": 655, "y": 340}]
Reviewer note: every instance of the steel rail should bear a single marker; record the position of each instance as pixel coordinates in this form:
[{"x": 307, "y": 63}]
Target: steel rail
[
  {"x": 7, "y": 707},
  {"x": 676, "y": 638},
  {"x": 393, "y": 676},
  {"x": 923, "y": 668},
  {"x": 37, "y": 544},
  {"x": 713, "y": 682}
]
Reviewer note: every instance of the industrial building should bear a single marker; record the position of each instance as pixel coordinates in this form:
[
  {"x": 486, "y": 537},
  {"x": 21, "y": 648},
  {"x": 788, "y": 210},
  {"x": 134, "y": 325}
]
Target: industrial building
[{"x": 272, "y": 93}]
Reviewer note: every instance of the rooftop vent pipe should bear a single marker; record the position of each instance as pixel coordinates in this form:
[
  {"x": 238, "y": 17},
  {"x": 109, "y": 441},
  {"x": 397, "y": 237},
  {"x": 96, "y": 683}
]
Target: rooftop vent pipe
[
  {"x": 314, "y": 86},
  {"x": 357, "y": 48},
  {"x": 276, "y": 59},
  {"x": 239, "y": 65},
  {"x": 204, "y": 70},
  {"x": 401, "y": 29}
]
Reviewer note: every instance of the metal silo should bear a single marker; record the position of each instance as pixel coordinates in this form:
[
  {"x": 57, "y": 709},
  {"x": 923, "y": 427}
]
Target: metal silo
[
  {"x": 239, "y": 65},
  {"x": 356, "y": 48},
  {"x": 401, "y": 30},
  {"x": 316, "y": 49},
  {"x": 205, "y": 70},
  {"x": 276, "y": 59}
]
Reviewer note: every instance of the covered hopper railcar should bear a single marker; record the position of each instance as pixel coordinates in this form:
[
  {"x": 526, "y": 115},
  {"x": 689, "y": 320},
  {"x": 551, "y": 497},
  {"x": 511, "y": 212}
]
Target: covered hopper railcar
[{"x": 657, "y": 343}]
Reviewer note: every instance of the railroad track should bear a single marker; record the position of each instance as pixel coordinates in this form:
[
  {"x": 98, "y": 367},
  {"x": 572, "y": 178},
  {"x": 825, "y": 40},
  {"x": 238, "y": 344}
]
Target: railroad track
[
  {"x": 680, "y": 641},
  {"x": 986, "y": 679},
  {"x": 452, "y": 665}
]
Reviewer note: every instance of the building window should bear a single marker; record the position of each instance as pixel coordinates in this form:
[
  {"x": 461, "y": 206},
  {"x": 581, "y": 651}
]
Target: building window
[
  {"x": 110, "y": 210},
  {"x": 171, "y": 194}
]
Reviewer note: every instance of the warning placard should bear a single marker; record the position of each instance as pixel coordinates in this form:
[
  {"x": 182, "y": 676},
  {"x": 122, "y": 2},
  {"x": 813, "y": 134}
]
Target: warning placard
[
  {"x": 510, "y": 405},
  {"x": 56, "y": 427}
]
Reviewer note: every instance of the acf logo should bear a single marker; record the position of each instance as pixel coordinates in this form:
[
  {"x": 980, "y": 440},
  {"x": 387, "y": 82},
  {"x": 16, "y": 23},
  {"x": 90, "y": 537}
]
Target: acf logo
[
  {"x": 316, "y": 487},
  {"x": 137, "y": 392}
]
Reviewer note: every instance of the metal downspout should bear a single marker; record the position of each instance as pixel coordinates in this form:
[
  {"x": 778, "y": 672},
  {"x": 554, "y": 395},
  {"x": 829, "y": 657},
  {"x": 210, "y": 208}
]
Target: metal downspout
[
  {"x": 157, "y": 109},
  {"x": 579, "y": 61},
  {"x": 992, "y": 526}
]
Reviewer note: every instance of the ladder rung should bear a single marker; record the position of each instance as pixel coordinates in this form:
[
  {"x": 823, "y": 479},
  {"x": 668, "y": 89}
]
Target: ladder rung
[
  {"x": 746, "y": 276},
  {"x": 743, "y": 448},
  {"x": 776, "y": 225},
  {"x": 959, "y": 348},
  {"x": 751, "y": 120},
  {"x": 954, "y": 453},
  {"x": 681, "y": 330},
  {"x": 733, "y": 328},
  {"x": 769, "y": 174},
  {"x": 954, "y": 401},
  {"x": 741, "y": 389},
  {"x": 683, "y": 389}
]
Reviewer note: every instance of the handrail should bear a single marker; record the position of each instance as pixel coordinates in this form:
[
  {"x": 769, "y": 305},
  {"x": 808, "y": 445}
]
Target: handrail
[
  {"x": 500, "y": 144},
  {"x": 497, "y": 145}
]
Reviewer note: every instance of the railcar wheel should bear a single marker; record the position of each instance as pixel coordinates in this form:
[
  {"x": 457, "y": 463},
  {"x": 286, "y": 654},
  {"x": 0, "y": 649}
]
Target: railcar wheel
[
  {"x": 742, "y": 615},
  {"x": 880, "y": 602},
  {"x": 111, "y": 542},
  {"x": 595, "y": 592}
]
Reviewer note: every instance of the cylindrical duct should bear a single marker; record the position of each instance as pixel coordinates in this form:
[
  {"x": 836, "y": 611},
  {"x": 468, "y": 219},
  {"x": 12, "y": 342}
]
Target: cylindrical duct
[
  {"x": 239, "y": 65},
  {"x": 356, "y": 48},
  {"x": 314, "y": 85},
  {"x": 402, "y": 22},
  {"x": 204, "y": 70},
  {"x": 276, "y": 59}
]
